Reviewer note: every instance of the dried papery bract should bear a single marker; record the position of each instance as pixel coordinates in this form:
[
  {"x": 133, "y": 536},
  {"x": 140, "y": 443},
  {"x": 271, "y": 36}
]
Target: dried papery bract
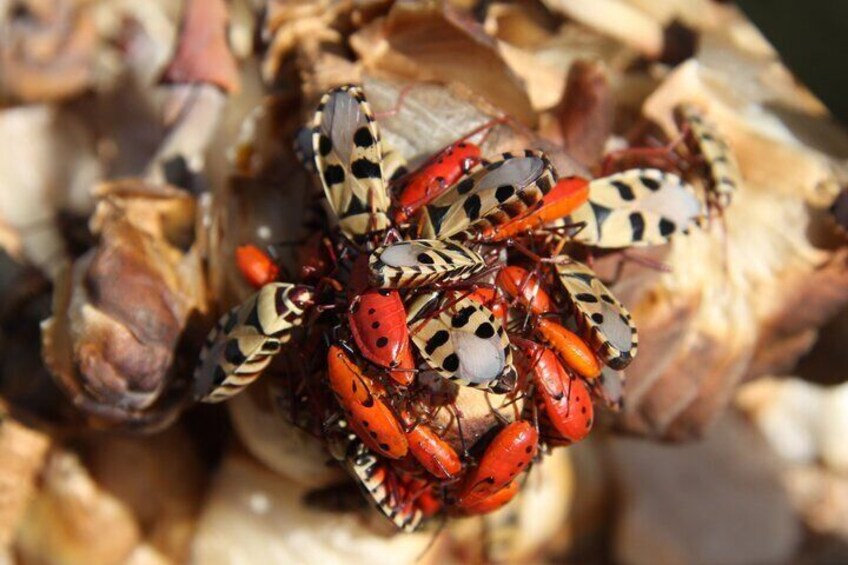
[
  {"x": 587, "y": 111},
  {"x": 121, "y": 310}
]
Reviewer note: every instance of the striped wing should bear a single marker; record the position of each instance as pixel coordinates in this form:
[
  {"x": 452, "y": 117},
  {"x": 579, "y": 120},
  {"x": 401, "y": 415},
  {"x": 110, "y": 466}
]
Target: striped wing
[
  {"x": 705, "y": 140},
  {"x": 349, "y": 159},
  {"x": 638, "y": 207},
  {"x": 490, "y": 194},
  {"x": 466, "y": 343},
  {"x": 606, "y": 321},
  {"x": 409, "y": 264},
  {"x": 245, "y": 340}
]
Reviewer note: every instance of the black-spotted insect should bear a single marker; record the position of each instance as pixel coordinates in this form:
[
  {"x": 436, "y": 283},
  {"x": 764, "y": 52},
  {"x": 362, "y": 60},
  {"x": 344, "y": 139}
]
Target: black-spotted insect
[
  {"x": 637, "y": 207},
  {"x": 704, "y": 140},
  {"x": 349, "y": 160},
  {"x": 463, "y": 341},
  {"x": 374, "y": 477},
  {"x": 490, "y": 194},
  {"x": 606, "y": 322},
  {"x": 415, "y": 263},
  {"x": 245, "y": 339}
]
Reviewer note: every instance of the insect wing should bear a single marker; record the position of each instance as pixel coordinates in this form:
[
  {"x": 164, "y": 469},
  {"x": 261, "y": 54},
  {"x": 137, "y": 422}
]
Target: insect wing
[
  {"x": 637, "y": 207},
  {"x": 245, "y": 339},
  {"x": 466, "y": 343},
  {"x": 607, "y": 321},
  {"x": 349, "y": 160},
  {"x": 409, "y": 264},
  {"x": 491, "y": 194}
]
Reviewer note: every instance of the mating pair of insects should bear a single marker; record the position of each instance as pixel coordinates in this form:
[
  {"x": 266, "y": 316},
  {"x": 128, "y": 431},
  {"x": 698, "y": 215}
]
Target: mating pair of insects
[{"x": 419, "y": 296}]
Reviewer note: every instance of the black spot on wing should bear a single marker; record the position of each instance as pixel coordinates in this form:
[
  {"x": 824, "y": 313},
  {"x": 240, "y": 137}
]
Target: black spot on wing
[
  {"x": 666, "y": 227},
  {"x": 624, "y": 190},
  {"x": 325, "y": 145},
  {"x": 334, "y": 174},
  {"x": 485, "y": 331},
  {"x": 472, "y": 207},
  {"x": 233, "y": 353},
  {"x": 437, "y": 340},
  {"x": 365, "y": 169},
  {"x": 461, "y": 318},
  {"x": 437, "y": 216},
  {"x": 650, "y": 184},
  {"x": 363, "y": 137},
  {"x": 504, "y": 192},
  {"x": 465, "y": 185},
  {"x": 637, "y": 224},
  {"x": 451, "y": 363},
  {"x": 425, "y": 259}
]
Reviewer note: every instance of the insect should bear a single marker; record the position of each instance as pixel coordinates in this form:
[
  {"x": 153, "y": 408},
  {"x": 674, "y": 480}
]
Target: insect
[
  {"x": 491, "y": 194},
  {"x": 465, "y": 342},
  {"x": 368, "y": 416},
  {"x": 415, "y": 263},
  {"x": 564, "y": 399},
  {"x": 492, "y": 502},
  {"x": 573, "y": 350},
  {"x": 637, "y": 207},
  {"x": 509, "y": 453},
  {"x": 606, "y": 320},
  {"x": 519, "y": 283},
  {"x": 349, "y": 160},
  {"x": 434, "y": 453},
  {"x": 377, "y": 320},
  {"x": 703, "y": 139},
  {"x": 256, "y": 266},
  {"x": 245, "y": 339},
  {"x": 567, "y": 195},
  {"x": 434, "y": 177}
]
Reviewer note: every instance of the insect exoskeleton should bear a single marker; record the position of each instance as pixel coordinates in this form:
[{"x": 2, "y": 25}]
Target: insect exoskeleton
[
  {"x": 415, "y": 263},
  {"x": 434, "y": 453},
  {"x": 256, "y": 266},
  {"x": 376, "y": 479},
  {"x": 607, "y": 322},
  {"x": 245, "y": 339},
  {"x": 509, "y": 454},
  {"x": 704, "y": 140},
  {"x": 491, "y": 194},
  {"x": 637, "y": 207},
  {"x": 463, "y": 341},
  {"x": 369, "y": 417},
  {"x": 349, "y": 160},
  {"x": 434, "y": 177},
  {"x": 564, "y": 402}
]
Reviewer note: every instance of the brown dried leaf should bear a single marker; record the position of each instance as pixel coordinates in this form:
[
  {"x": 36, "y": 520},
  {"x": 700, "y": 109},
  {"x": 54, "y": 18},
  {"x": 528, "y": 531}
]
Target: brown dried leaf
[
  {"x": 203, "y": 54},
  {"x": 122, "y": 308},
  {"x": 587, "y": 111},
  {"x": 430, "y": 42}
]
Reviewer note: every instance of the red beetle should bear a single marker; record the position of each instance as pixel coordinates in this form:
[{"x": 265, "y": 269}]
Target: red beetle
[
  {"x": 256, "y": 266},
  {"x": 434, "y": 177},
  {"x": 369, "y": 417},
  {"x": 377, "y": 320},
  {"x": 510, "y": 453}
]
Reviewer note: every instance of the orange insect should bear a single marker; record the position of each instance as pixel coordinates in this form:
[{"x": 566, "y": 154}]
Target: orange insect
[
  {"x": 377, "y": 320},
  {"x": 510, "y": 453},
  {"x": 434, "y": 177},
  {"x": 369, "y": 417},
  {"x": 573, "y": 350},
  {"x": 565, "y": 401},
  {"x": 256, "y": 266},
  {"x": 566, "y": 196},
  {"x": 520, "y": 283},
  {"x": 492, "y": 502},
  {"x": 491, "y": 299},
  {"x": 434, "y": 453}
]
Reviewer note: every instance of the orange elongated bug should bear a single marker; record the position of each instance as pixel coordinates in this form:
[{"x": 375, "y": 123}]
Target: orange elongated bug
[
  {"x": 573, "y": 350},
  {"x": 369, "y": 417},
  {"x": 565, "y": 197},
  {"x": 434, "y": 177},
  {"x": 256, "y": 266},
  {"x": 377, "y": 320},
  {"x": 434, "y": 453},
  {"x": 492, "y": 502},
  {"x": 567, "y": 406},
  {"x": 520, "y": 283},
  {"x": 510, "y": 453},
  {"x": 491, "y": 299}
]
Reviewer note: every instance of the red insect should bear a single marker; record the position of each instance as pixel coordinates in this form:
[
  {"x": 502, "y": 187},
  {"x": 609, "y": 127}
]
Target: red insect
[
  {"x": 377, "y": 320},
  {"x": 492, "y": 502},
  {"x": 509, "y": 454},
  {"x": 564, "y": 399},
  {"x": 520, "y": 283},
  {"x": 566, "y": 196},
  {"x": 369, "y": 417},
  {"x": 491, "y": 299},
  {"x": 256, "y": 266},
  {"x": 434, "y": 453},
  {"x": 434, "y": 177},
  {"x": 573, "y": 350}
]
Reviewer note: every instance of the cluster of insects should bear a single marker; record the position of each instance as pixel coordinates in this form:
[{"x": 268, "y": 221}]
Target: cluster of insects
[{"x": 463, "y": 273}]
